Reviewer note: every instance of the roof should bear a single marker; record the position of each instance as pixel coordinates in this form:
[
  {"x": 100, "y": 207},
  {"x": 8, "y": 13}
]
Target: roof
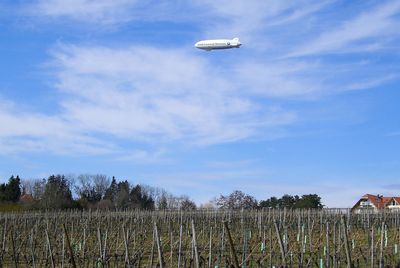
[
  {"x": 397, "y": 198},
  {"x": 378, "y": 201},
  {"x": 26, "y": 198}
]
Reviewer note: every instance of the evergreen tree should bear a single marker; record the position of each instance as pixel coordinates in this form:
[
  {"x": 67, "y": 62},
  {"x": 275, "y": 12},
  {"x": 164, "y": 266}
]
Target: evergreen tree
[
  {"x": 2, "y": 192},
  {"x": 11, "y": 192},
  {"x": 288, "y": 201},
  {"x": 136, "y": 197},
  {"x": 162, "y": 202},
  {"x": 122, "y": 196},
  {"x": 57, "y": 193},
  {"x": 139, "y": 199},
  {"x": 147, "y": 202},
  {"x": 111, "y": 191},
  {"x": 309, "y": 201},
  {"x": 13, "y": 189}
]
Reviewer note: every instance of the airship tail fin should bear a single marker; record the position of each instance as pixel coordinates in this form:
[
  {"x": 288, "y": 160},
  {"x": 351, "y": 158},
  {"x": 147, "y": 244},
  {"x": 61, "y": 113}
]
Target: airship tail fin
[{"x": 236, "y": 39}]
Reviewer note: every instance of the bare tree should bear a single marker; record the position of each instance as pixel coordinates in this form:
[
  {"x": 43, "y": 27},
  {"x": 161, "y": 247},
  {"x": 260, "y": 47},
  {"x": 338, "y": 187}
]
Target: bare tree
[
  {"x": 237, "y": 200},
  {"x": 27, "y": 186},
  {"x": 83, "y": 184},
  {"x": 159, "y": 195},
  {"x": 39, "y": 186},
  {"x": 162, "y": 198},
  {"x": 187, "y": 204},
  {"x": 91, "y": 187},
  {"x": 101, "y": 183}
]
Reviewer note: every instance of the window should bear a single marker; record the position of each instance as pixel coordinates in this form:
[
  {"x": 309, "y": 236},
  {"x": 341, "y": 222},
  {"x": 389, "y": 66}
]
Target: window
[{"x": 365, "y": 203}]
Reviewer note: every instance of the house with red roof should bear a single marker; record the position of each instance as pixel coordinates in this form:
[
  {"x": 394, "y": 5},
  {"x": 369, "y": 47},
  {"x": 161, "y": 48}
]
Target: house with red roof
[
  {"x": 376, "y": 203},
  {"x": 26, "y": 199}
]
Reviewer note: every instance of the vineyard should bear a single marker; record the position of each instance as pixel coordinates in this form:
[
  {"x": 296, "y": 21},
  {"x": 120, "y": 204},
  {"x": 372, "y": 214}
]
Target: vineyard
[{"x": 209, "y": 238}]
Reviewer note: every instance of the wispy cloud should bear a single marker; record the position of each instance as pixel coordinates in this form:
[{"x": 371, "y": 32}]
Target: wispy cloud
[
  {"x": 102, "y": 11},
  {"x": 143, "y": 93},
  {"x": 369, "y": 30},
  {"x": 371, "y": 83},
  {"x": 159, "y": 96},
  {"x": 144, "y": 156},
  {"x": 22, "y": 131},
  {"x": 105, "y": 13},
  {"x": 128, "y": 96},
  {"x": 245, "y": 18},
  {"x": 255, "y": 21}
]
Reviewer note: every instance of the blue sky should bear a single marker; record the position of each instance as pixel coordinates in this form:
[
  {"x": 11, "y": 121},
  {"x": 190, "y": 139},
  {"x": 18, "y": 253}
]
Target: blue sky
[{"x": 308, "y": 104}]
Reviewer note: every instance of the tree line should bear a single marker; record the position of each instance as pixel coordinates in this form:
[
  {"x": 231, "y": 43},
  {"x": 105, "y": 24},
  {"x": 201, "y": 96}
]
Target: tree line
[
  {"x": 239, "y": 200},
  {"x": 88, "y": 191}
]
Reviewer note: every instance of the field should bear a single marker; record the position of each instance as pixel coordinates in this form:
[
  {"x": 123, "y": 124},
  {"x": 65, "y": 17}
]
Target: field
[{"x": 264, "y": 238}]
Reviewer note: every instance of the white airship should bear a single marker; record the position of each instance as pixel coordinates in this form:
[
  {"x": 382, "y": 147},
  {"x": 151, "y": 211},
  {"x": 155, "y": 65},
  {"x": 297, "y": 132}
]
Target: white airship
[{"x": 218, "y": 44}]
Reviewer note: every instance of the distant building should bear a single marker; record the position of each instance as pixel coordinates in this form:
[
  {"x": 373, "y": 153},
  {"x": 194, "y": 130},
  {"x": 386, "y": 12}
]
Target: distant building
[
  {"x": 26, "y": 198},
  {"x": 376, "y": 203}
]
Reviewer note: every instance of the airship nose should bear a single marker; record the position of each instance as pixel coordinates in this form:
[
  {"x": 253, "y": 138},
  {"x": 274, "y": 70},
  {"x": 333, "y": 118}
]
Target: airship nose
[{"x": 197, "y": 44}]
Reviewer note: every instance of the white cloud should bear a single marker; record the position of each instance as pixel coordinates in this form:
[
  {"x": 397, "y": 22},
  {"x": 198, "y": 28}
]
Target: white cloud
[
  {"x": 162, "y": 95},
  {"x": 141, "y": 93},
  {"x": 158, "y": 96},
  {"x": 144, "y": 156},
  {"x": 110, "y": 12},
  {"x": 255, "y": 22},
  {"x": 281, "y": 79},
  {"x": 104, "y": 11},
  {"x": 245, "y": 18},
  {"x": 367, "y": 31},
  {"x": 371, "y": 83},
  {"x": 31, "y": 132}
]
